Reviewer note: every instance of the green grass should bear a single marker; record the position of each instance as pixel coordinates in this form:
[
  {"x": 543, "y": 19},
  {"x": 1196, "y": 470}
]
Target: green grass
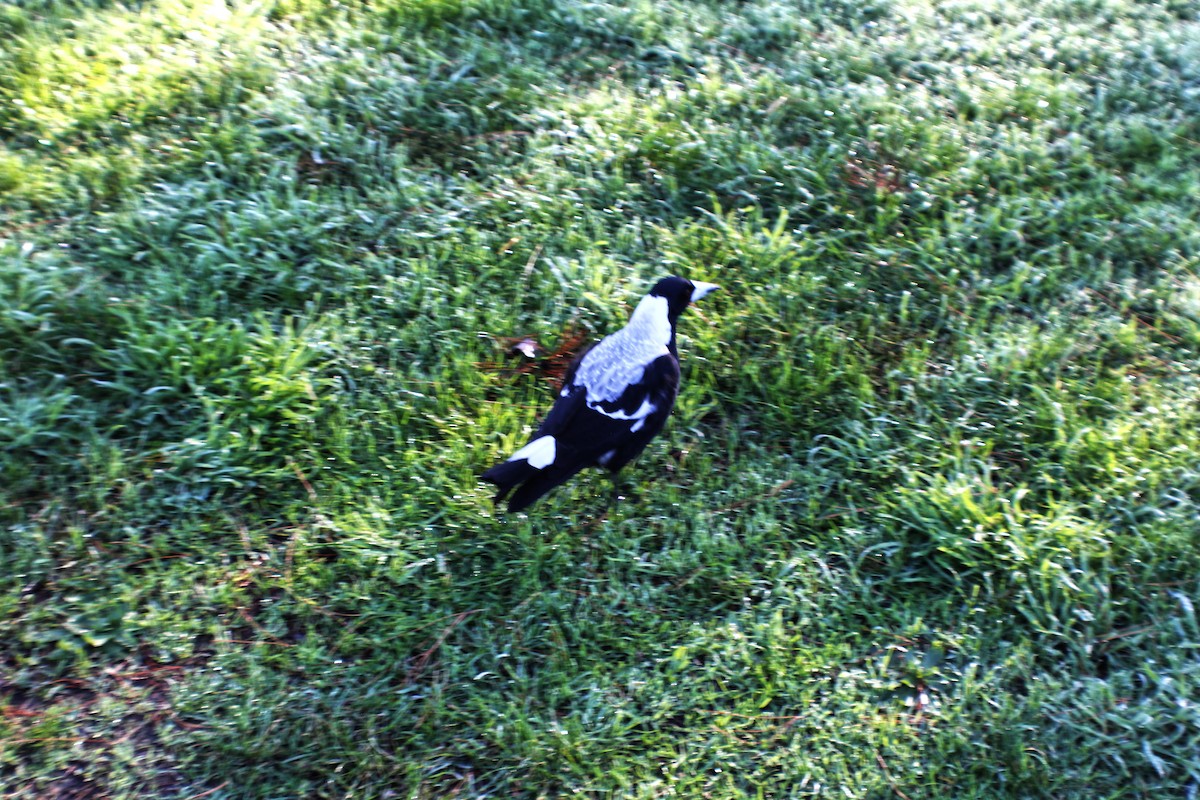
[{"x": 924, "y": 522}]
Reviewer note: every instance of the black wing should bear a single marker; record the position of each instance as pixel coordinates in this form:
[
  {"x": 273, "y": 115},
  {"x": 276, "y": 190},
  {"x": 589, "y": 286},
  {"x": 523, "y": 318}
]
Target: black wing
[{"x": 659, "y": 385}]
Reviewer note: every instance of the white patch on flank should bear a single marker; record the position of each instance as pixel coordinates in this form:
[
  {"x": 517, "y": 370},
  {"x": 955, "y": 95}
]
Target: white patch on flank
[
  {"x": 539, "y": 453},
  {"x": 620, "y": 360},
  {"x": 607, "y": 457},
  {"x": 701, "y": 289}
]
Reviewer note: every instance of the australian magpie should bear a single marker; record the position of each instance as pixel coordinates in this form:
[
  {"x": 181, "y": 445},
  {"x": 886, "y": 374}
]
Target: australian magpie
[{"x": 615, "y": 398}]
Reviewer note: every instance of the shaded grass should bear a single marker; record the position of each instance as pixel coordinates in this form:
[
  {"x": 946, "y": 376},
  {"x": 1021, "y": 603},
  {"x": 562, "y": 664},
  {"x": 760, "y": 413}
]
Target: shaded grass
[{"x": 923, "y": 523}]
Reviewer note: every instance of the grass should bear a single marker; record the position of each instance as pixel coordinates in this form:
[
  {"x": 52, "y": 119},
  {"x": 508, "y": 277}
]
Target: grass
[{"x": 922, "y": 525}]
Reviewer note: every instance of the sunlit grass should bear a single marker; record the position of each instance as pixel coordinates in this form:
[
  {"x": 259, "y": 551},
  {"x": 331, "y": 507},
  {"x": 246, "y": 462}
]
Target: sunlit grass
[
  {"x": 131, "y": 64},
  {"x": 97, "y": 98}
]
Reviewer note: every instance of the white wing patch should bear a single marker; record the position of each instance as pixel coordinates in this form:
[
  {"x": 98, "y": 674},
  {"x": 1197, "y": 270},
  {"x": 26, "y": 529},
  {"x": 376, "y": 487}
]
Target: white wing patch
[
  {"x": 539, "y": 453},
  {"x": 644, "y": 410}
]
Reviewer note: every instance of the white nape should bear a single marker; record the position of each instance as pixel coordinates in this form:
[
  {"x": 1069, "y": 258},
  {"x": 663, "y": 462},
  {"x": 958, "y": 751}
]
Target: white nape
[
  {"x": 651, "y": 320},
  {"x": 620, "y": 360}
]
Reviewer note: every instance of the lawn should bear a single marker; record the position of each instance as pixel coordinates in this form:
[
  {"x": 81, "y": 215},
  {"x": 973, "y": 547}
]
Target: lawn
[{"x": 925, "y": 522}]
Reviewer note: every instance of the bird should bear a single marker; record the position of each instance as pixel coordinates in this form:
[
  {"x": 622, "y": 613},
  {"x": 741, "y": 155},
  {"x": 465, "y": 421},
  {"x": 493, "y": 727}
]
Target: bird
[{"x": 615, "y": 398}]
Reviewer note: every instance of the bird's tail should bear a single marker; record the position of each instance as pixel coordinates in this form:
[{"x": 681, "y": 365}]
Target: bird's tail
[
  {"x": 529, "y": 482},
  {"x": 507, "y": 475}
]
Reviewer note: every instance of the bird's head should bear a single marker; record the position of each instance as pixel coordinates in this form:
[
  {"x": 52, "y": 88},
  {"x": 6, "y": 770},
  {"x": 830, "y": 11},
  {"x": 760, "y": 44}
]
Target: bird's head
[{"x": 679, "y": 292}]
